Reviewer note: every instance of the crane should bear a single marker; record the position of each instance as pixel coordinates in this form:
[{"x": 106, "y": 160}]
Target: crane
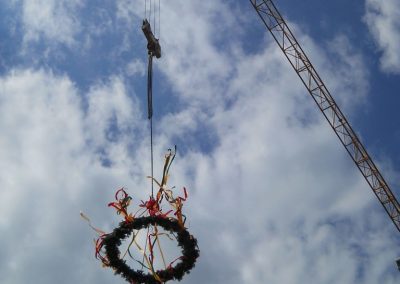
[{"x": 291, "y": 48}]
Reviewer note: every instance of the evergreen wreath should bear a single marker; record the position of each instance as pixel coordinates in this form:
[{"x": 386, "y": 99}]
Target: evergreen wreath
[
  {"x": 187, "y": 242},
  {"x": 150, "y": 215}
]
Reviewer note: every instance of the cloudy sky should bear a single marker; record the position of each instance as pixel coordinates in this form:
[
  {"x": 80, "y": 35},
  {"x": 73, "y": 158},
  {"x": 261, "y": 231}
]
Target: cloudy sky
[{"x": 273, "y": 196}]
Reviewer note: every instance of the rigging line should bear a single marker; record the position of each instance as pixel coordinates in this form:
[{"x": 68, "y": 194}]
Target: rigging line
[
  {"x": 151, "y": 153},
  {"x": 159, "y": 19},
  {"x": 150, "y": 86},
  {"x": 154, "y": 15},
  {"x": 150, "y": 114},
  {"x": 148, "y": 8}
]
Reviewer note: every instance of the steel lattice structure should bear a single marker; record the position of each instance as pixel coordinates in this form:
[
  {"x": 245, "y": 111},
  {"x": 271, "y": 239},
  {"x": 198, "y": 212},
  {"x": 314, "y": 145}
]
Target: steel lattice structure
[{"x": 317, "y": 89}]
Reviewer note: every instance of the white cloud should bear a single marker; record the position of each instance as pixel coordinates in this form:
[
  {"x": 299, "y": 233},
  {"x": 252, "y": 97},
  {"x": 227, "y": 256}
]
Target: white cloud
[
  {"x": 51, "y": 20},
  {"x": 350, "y": 82},
  {"x": 275, "y": 198},
  {"x": 136, "y": 67},
  {"x": 51, "y": 168},
  {"x": 277, "y": 177},
  {"x": 383, "y": 21}
]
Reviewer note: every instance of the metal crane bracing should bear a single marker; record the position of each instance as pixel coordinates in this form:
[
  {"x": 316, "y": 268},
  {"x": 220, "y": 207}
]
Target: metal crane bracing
[{"x": 318, "y": 91}]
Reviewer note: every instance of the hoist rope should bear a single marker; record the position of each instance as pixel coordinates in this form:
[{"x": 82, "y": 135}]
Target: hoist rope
[
  {"x": 150, "y": 12},
  {"x": 152, "y": 51},
  {"x": 148, "y": 9},
  {"x": 151, "y": 151},
  {"x": 150, "y": 112},
  {"x": 152, "y": 6},
  {"x": 154, "y": 16},
  {"x": 150, "y": 86}
]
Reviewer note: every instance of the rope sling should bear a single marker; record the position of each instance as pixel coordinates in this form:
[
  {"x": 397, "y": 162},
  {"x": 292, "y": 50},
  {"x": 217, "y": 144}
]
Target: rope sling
[{"x": 154, "y": 49}]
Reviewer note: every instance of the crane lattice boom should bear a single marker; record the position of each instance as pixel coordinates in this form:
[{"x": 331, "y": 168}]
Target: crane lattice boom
[{"x": 317, "y": 89}]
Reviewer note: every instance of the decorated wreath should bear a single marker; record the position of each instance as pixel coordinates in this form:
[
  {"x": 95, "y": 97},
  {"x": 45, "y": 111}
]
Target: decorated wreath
[{"x": 159, "y": 224}]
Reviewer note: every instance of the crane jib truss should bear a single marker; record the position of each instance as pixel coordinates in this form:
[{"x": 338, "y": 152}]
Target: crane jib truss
[{"x": 317, "y": 89}]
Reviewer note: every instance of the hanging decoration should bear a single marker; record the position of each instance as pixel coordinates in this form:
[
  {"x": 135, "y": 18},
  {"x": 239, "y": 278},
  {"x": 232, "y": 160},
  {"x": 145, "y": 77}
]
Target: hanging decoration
[
  {"x": 160, "y": 216},
  {"x": 153, "y": 216}
]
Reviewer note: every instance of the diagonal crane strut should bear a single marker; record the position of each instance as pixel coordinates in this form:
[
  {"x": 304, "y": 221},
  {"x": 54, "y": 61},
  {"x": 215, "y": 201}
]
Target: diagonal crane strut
[{"x": 325, "y": 102}]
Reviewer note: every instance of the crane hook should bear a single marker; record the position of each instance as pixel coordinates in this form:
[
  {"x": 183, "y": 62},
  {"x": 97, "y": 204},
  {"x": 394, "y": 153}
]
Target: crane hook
[{"x": 153, "y": 44}]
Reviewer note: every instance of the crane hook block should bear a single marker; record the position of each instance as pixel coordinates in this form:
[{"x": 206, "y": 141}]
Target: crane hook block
[{"x": 152, "y": 43}]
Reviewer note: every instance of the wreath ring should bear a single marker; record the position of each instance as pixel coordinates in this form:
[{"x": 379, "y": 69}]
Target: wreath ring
[{"x": 187, "y": 242}]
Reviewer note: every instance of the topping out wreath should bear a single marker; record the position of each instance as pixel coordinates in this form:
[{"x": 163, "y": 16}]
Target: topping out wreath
[{"x": 161, "y": 218}]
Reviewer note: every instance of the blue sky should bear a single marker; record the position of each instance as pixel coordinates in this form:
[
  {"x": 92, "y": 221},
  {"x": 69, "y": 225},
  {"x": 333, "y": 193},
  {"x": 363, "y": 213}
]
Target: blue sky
[{"x": 273, "y": 196}]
